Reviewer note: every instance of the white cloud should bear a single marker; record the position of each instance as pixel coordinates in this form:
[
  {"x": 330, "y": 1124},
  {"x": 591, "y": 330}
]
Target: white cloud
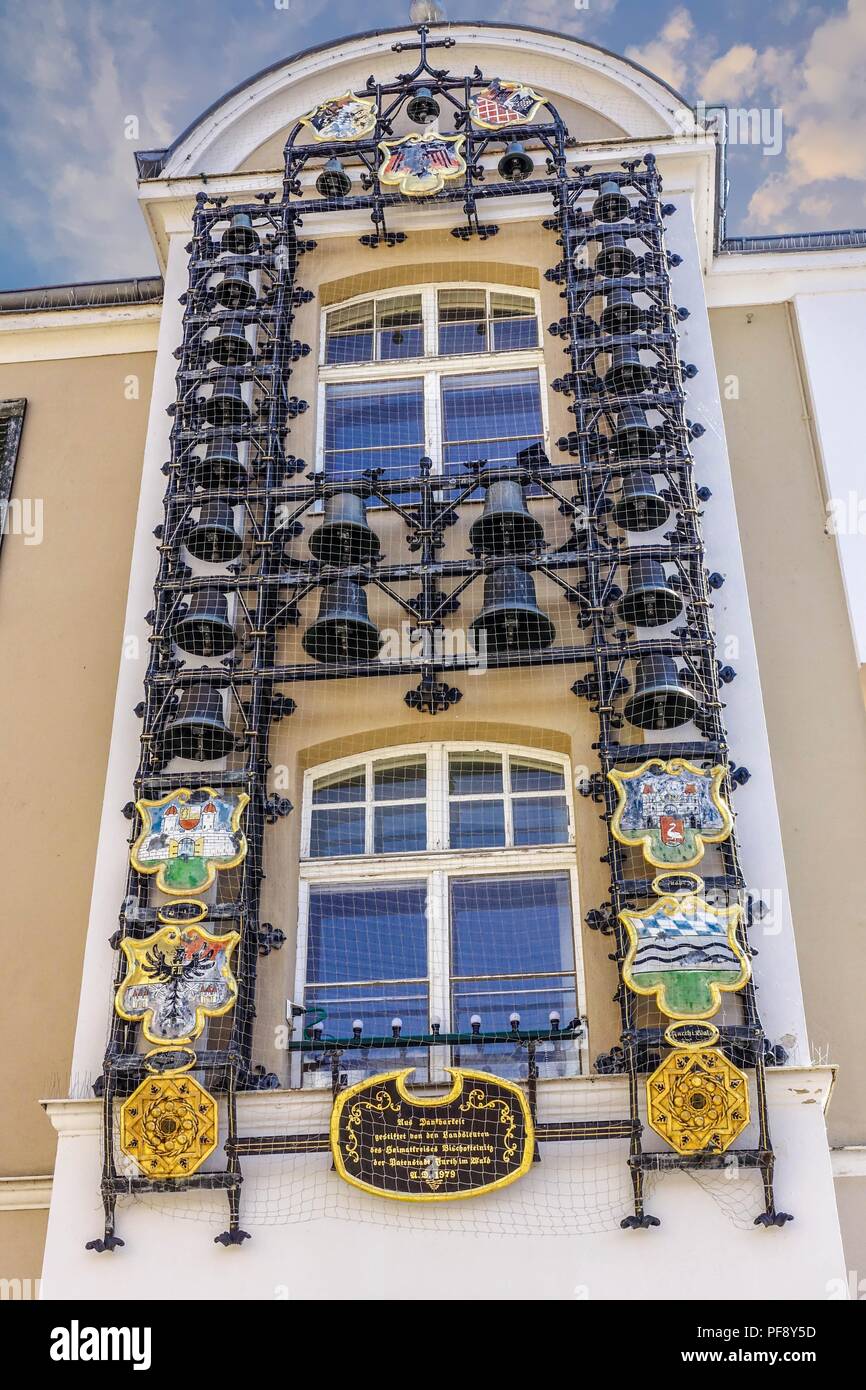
[
  {"x": 667, "y": 55},
  {"x": 732, "y": 77},
  {"x": 69, "y": 78}
]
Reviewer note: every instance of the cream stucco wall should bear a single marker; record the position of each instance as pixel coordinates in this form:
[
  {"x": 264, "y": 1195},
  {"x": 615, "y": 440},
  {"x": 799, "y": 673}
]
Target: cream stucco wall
[{"x": 61, "y": 617}]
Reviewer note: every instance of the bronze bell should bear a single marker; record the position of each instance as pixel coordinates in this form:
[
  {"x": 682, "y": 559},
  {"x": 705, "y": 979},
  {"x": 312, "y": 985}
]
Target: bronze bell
[
  {"x": 241, "y": 238},
  {"x": 235, "y": 290},
  {"x": 510, "y": 618},
  {"x": 611, "y": 205},
  {"x": 225, "y": 406},
  {"x": 219, "y": 468},
  {"x": 627, "y": 375},
  {"x": 650, "y": 601},
  {"x": 344, "y": 537},
  {"x": 661, "y": 699},
  {"x": 633, "y": 437},
  {"x": 515, "y": 165},
  {"x": 203, "y": 627},
  {"x": 333, "y": 181},
  {"x": 342, "y": 631},
  {"x": 621, "y": 314},
  {"x": 231, "y": 347},
  {"x": 214, "y": 536},
  {"x": 197, "y": 728},
  {"x": 615, "y": 257},
  {"x": 639, "y": 507},
  {"x": 506, "y": 526}
]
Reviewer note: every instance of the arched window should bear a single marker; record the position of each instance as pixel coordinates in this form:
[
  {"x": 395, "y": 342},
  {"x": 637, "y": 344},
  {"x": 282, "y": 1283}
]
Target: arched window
[
  {"x": 421, "y": 900},
  {"x": 396, "y": 382}
]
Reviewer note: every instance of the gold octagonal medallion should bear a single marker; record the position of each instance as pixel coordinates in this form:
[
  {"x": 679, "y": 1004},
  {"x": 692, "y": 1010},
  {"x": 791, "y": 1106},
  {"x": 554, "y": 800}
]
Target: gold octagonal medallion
[
  {"x": 697, "y": 1100},
  {"x": 169, "y": 1126}
]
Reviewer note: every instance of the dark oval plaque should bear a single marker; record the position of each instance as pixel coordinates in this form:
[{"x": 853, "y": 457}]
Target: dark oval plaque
[
  {"x": 391, "y": 1142},
  {"x": 691, "y": 1034},
  {"x": 185, "y": 910},
  {"x": 677, "y": 883}
]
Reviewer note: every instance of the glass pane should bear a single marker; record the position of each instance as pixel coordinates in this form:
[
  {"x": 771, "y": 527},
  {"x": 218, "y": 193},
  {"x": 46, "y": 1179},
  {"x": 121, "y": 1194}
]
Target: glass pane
[
  {"x": 534, "y": 1000},
  {"x": 462, "y": 321},
  {"x": 401, "y": 342},
  {"x": 367, "y": 933},
  {"x": 527, "y": 775},
  {"x": 511, "y": 925},
  {"x": 511, "y": 334},
  {"x": 400, "y": 781},
  {"x": 533, "y": 997},
  {"x": 514, "y": 322},
  {"x": 400, "y": 829},
  {"x": 540, "y": 820},
  {"x": 374, "y": 1006},
  {"x": 335, "y": 832},
  {"x": 373, "y": 425},
  {"x": 458, "y": 339},
  {"x": 491, "y": 415},
  {"x": 351, "y": 318},
  {"x": 401, "y": 331},
  {"x": 339, "y": 786},
  {"x": 477, "y": 824},
  {"x": 510, "y": 306},
  {"x": 459, "y": 305},
  {"x": 474, "y": 773},
  {"x": 349, "y": 334}
]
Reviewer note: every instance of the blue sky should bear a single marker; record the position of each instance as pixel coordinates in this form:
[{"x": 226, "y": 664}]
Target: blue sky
[{"x": 72, "y": 71}]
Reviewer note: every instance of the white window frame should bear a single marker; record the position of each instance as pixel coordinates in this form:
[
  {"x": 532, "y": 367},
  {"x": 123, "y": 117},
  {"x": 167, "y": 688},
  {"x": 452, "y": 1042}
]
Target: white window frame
[
  {"x": 437, "y": 865},
  {"x": 430, "y": 368}
]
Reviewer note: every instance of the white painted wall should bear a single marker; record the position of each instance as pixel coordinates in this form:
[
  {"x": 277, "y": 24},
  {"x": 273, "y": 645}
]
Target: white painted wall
[{"x": 315, "y": 1237}]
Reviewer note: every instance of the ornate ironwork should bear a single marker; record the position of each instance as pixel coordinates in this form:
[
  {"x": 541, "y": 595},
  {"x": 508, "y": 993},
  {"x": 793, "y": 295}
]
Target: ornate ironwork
[{"x": 276, "y": 490}]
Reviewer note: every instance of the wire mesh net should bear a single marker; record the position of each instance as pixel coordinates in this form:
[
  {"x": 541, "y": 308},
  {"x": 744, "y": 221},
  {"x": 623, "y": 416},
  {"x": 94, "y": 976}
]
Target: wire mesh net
[{"x": 426, "y": 526}]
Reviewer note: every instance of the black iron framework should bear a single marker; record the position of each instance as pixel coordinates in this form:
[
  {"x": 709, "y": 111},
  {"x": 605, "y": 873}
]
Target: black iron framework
[{"x": 237, "y": 700}]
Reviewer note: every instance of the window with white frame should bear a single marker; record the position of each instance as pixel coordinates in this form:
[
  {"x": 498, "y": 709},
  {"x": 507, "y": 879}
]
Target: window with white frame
[
  {"x": 376, "y": 412},
  {"x": 418, "y": 904}
]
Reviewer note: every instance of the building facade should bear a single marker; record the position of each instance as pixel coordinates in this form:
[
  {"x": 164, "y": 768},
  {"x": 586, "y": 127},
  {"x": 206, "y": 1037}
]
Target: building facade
[{"x": 460, "y": 464}]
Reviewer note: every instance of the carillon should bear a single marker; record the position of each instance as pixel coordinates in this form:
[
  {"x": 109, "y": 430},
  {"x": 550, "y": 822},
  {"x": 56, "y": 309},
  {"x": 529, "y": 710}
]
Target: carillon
[
  {"x": 511, "y": 619},
  {"x": 650, "y": 600},
  {"x": 230, "y": 347},
  {"x": 516, "y": 164},
  {"x": 214, "y": 536},
  {"x": 639, "y": 506},
  {"x": 233, "y": 289},
  {"x": 342, "y": 631},
  {"x": 196, "y": 727},
  {"x": 274, "y": 618},
  {"x": 345, "y": 536},
  {"x": 203, "y": 626},
  {"x": 506, "y": 525}
]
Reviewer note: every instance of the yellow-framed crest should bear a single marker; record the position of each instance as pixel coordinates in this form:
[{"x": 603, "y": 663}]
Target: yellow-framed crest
[
  {"x": 649, "y": 839},
  {"x": 420, "y": 164},
  {"x": 345, "y": 117},
  {"x": 142, "y": 953},
  {"x": 201, "y": 868},
  {"x": 683, "y": 923}
]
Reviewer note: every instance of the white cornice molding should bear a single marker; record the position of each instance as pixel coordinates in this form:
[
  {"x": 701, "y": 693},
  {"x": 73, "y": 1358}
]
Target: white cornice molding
[
  {"x": 298, "y": 1111},
  {"x": 52, "y": 334},
  {"x": 687, "y": 165},
  {"x": 27, "y": 1193},
  {"x": 775, "y": 277}
]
